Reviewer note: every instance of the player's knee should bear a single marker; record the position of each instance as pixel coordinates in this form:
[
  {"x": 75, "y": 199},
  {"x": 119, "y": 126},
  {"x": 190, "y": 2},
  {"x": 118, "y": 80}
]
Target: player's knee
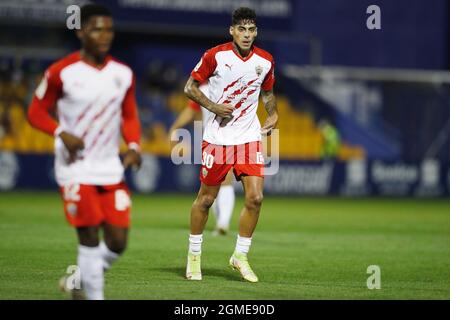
[
  {"x": 117, "y": 245},
  {"x": 88, "y": 236},
  {"x": 205, "y": 201},
  {"x": 254, "y": 201}
]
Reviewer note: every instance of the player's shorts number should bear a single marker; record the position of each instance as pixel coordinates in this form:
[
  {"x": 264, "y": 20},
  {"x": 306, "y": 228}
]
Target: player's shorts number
[
  {"x": 122, "y": 200},
  {"x": 71, "y": 192},
  {"x": 207, "y": 160},
  {"x": 259, "y": 158}
]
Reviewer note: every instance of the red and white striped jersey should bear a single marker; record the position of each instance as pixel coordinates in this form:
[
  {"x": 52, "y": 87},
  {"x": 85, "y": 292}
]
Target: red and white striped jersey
[
  {"x": 234, "y": 80},
  {"x": 93, "y": 104}
]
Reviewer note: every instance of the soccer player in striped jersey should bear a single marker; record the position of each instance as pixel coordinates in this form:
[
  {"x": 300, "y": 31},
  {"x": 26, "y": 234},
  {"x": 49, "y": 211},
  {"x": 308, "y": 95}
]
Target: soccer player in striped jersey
[
  {"x": 237, "y": 73},
  {"x": 93, "y": 97}
]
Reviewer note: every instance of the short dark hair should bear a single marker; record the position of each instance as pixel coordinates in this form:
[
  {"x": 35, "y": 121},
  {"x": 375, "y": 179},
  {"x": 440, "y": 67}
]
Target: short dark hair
[
  {"x": 243, "y": 14},
  {"x": 92, "y": 9}
]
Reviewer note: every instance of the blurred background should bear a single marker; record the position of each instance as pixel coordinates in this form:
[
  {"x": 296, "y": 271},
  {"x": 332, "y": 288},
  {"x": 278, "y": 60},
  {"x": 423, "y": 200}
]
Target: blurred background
[{"x": 362, "y": 112}]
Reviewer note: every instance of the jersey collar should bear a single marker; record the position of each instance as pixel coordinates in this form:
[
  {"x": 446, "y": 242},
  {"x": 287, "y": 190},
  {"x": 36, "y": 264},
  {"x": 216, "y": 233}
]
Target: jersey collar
[
  {"x": 239, "y": 56},
  {"x": 98, "y": 68}
]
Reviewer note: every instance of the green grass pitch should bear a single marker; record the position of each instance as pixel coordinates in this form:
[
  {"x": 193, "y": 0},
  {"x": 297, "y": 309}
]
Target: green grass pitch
[{"x": 303, "y": 248}]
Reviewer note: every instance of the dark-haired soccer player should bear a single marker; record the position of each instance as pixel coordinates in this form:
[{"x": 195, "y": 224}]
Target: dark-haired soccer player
[
  {"x": 94, "y": 97},
  {"x": 237, "y": 73}
]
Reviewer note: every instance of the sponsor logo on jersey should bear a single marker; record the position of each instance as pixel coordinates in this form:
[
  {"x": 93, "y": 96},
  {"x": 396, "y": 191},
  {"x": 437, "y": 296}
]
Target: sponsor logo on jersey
[
  {"x": 229, "y": 66},
  {"x": 204, "y": 172}
]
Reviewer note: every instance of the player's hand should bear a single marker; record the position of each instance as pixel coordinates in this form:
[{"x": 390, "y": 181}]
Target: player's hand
[
  {"x": 172, "y": 143},
  {"x": 132, "y": 159},
  {"x": 269, "y": 125},
  {"x": 171, "y": 132},
  {"x": 73, "y": 144},
  {"x": 223, "y": 110}
]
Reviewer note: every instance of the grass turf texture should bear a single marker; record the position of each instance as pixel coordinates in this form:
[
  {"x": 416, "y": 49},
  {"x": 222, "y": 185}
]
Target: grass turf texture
[{"x": 303, "y": 248}]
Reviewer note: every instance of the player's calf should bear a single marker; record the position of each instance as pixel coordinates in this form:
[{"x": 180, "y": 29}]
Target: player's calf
[
  {"x": 108, "y": 256},
  {"x": 114, "y": 244}
]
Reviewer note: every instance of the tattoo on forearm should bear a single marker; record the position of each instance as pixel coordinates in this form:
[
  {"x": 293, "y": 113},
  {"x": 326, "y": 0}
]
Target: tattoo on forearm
[{"x": 269, "y": 102}]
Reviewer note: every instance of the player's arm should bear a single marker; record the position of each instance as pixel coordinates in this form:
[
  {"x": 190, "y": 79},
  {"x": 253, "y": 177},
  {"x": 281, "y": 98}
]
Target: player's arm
[
  {"x": 43, "y": 103},
  {"x": 194, "y": 93},
  {"x": 186, "y": 116},
  {"x": 201, "y": 73},
  {"x": 270, "y": 105},
  {"x": 131, "y": 128},
  {"x": 269, "y": 101}
]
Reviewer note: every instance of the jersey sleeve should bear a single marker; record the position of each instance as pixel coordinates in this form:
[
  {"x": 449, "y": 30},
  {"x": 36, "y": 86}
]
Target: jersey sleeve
[
  {"x": 205, "y": 68},
  {"x": 44, "y": 100},
  {"x": 269, "y": 80},
  {"x": 194, "y": 106},
  {"x": 131, "y": 127}
]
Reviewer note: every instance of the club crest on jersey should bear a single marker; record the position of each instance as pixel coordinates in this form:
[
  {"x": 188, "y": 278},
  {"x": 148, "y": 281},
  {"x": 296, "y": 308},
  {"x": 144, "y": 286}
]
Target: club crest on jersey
[
  {"x": 258, "y": 70},
  {"x": 204, "y": 172},
  {"x": 72, "y": 209}
]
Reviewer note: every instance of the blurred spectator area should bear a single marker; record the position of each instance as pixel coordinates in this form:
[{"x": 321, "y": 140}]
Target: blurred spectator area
[
  {"x": 160, "y": 98},
  {"x": 16, "y": 87},
  {"x": 388, "y": 118},
  {"x": 161, "y": 63},
  {"x": 300, "y": 136}
]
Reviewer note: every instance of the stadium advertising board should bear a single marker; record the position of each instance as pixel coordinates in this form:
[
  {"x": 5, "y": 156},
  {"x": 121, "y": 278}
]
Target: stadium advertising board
[
  {"x": 429, "y": 178},
  {"x": 305, "y": 178}
]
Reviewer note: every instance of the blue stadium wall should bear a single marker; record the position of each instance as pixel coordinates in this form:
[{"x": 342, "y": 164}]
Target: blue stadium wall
[{"x": 429, "y": 178}]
